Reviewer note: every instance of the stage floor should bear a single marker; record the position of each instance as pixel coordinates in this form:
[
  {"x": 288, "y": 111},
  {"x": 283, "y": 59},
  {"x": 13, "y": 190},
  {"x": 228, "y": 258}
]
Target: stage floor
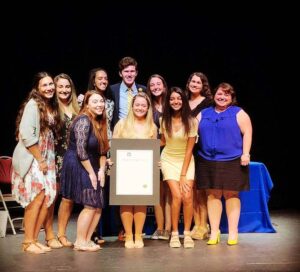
[{"x": 255, "y": 252}]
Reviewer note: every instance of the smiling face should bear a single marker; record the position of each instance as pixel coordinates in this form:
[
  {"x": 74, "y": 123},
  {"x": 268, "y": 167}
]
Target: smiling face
[
  {"x": 222, "y": 99},
  {"x": 96, "y": 104},
  {"x": 101, "y": 81},
  {"x": 156, "y": 86},
  {"x": 63, "y": 89},
  {"x": 195, "y": 86},
  {"x": 46, "y": 87},
  {"x": 175, "y": 101},
  {"x": 128, "y": 75},
  {"x": 140, "y": 107}
]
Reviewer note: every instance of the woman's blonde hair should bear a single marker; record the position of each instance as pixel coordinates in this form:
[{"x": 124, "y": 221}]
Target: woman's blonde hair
[{"x": 127, "y": 130}]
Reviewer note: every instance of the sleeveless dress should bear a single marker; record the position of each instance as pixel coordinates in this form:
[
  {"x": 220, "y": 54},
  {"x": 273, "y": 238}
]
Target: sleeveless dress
[
  {"x": 75, "y": 180},
  {"x": 173, "y": 154}
]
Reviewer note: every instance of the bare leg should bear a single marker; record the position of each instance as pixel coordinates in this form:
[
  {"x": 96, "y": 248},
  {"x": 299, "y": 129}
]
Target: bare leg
[
  {"x": 41, "y": 217},
  {"x": 233, "y": 210},
  {"x": 176, "y": 203},
  {"x": 48, "y": 223},
  {"x": 197, "y": 219},
  {"x": 168, "y": 201},
  {"x": 202, "y": 200},
  {"x": 64, "y": 213},
  {"x": 139, "y": 218},
  {"x": 158, "y": 209},
  {"x": 188, "y": 208},
  {"x": 94, "y": 223},
  {"x": 127, "y": 218},
  {"x": 83, "y": 224},
  {"x": 214, "y": 208},
  {"x": 31, "y": 216}
]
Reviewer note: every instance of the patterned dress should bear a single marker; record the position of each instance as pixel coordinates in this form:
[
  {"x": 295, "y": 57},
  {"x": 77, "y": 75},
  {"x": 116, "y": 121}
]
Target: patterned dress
[
  {"x": 109, "y": 108},
  {"x": 61, "y": 144},
  {"x": 75, "y": 181},
  {"x": 27, "y": 188}
]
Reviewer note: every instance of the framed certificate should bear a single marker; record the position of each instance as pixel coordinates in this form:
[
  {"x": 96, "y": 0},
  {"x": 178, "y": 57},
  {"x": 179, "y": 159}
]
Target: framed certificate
[{"x": 134, "y": 176}]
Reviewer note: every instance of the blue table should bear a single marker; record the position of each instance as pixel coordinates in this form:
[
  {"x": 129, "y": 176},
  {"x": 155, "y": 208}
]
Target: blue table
[{"x": 254, "y": 203}]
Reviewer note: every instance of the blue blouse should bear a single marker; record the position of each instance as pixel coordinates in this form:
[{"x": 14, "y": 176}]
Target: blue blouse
[{"x": 220, "y": 138}]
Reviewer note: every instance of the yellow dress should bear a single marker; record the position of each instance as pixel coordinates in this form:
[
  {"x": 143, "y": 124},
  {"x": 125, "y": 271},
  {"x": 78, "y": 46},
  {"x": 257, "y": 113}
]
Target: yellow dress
[{"x": 173, "y": 154}]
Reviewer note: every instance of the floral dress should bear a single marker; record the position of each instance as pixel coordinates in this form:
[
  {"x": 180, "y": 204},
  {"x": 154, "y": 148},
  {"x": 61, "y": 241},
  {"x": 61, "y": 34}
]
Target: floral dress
[
  {"x": 61, "y": 144},
  {"x": 26, "y": 189}
]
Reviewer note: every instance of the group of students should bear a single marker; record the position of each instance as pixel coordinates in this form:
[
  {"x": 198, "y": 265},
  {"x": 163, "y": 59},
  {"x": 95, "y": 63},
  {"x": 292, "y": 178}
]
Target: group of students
[{"x": 64, "y": 149}]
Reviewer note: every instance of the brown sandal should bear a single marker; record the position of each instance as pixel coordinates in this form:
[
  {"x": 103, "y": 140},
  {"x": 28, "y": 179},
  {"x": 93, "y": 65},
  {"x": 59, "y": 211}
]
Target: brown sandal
[
  {"x": 32, "y": 247},
  {"x": 64, "y": 241},
  {"x": 54, "y": 243}
]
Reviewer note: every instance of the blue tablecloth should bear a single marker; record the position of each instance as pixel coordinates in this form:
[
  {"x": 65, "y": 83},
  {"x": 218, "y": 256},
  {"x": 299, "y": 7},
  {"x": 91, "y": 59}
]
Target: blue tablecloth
[{"x": 254, "y": 203}]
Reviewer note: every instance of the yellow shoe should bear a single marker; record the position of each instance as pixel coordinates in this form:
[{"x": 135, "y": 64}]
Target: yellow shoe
[
  {"x": 232, "y": 242},
  {"x": 215, "y": 241}
]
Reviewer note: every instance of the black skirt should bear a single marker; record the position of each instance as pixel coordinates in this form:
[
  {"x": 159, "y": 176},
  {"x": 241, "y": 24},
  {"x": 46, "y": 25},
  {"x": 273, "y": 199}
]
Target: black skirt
[{"x": 224, "y": 175}]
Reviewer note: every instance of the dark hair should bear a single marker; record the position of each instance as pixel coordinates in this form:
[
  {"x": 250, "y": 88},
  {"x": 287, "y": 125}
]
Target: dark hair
[
  {"x": 92, "y": 76},
  {"x": 205, "y": 91},
  {"x": 185, "y": 111}
]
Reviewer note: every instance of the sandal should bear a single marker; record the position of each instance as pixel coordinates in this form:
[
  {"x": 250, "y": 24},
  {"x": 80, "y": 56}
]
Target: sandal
[
  {"x": 43, "y": 247},
  {"x": 64, "y": 241},
  {"x": 138, "y": 243},
  {"x": 53, "y": 243},
  {"x": 32, "y": 247},
  {"x": 188, "y": 241},
  {"x": 129, "y": 241},
  {"x": 174, "y": 241}
]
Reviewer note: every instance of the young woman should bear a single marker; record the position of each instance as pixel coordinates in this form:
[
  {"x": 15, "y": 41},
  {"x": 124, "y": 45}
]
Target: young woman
[
  {"x": 157, "y": 90},
  {"x": 82, "y": 175},
  {"x": 68, "y": 109},
  {"x": 137, "y": 125},
  {"x": 98, "y": 81},
  {"x": 200, "y": 97},
  {"x": 225, "y": 137},
  {"x": 34, "y": 177},
  {"x": 178, "y": 133}
]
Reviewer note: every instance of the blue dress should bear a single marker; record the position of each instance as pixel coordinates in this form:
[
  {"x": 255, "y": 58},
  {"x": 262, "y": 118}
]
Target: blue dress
[{"x": 75, "y": 182}]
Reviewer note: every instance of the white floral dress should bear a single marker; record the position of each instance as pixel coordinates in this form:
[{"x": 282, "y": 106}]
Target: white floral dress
[{"x": 27, "y": 188}]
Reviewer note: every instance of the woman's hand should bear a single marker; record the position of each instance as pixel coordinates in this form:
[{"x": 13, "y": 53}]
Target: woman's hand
[
  {"x": 184, "y": 186},
  {"x": 43, "y": 166},
  {"x": 101, "y": 177},
  {"x": 94, "y": 180},
  {"x": 245, "y": 159},
  {"x": 109, "y": 163}
]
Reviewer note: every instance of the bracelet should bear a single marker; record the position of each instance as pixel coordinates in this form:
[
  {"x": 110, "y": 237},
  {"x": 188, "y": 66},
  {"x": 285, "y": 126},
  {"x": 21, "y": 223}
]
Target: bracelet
[
  {"x": 41, "y": 160},
  {"x": 182, "y": 175},
  {"x": 247, "y": 155}
]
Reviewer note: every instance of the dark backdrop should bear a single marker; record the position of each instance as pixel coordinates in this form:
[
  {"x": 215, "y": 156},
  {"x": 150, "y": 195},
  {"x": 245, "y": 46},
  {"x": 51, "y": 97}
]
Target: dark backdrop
[{"x": 251, "y": 48}]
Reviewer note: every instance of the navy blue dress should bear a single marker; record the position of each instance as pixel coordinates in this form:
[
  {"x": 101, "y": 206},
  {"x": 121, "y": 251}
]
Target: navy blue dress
[{"x": 75, "y": 182}]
